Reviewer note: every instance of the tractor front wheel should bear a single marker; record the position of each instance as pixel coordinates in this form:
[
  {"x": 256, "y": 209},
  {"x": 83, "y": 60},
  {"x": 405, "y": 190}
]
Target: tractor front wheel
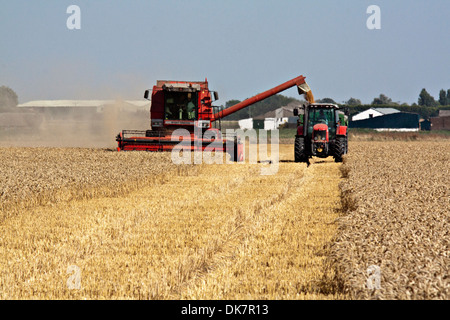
[
  {"x": 299, "y": 152},
  {"x": 339, "y": 148}
]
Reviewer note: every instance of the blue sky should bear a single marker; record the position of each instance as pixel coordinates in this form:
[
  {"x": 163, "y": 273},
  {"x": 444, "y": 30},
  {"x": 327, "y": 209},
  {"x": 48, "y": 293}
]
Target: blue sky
[{"x": 243, "y": 47}]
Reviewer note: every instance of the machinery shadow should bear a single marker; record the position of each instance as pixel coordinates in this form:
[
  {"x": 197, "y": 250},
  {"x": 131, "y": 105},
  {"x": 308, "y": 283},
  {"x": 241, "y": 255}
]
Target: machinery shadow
[{"x": 293, "y": 161}]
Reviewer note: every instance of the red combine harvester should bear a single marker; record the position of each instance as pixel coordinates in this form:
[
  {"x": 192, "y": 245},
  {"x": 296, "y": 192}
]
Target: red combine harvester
[{"x": 188, "y": 105}]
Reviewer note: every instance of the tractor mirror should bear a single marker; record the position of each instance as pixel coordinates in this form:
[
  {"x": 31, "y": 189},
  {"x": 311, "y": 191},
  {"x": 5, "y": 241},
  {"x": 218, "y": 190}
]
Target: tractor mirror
[
  {"x": 147, "y": 92},
  {"x": 216, "y": 95},
  {"x": 295, "y": 112}
]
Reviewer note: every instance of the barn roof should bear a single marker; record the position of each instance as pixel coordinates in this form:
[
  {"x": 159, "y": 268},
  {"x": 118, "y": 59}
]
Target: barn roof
[
  {"x": 386, "y": 110},
  {"x": 80, "y": 103}
]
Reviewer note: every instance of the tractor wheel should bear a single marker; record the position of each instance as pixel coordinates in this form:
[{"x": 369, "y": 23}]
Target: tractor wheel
[
  {"x": 299, "y": 152},
  {"x": 339, "y": 149}
]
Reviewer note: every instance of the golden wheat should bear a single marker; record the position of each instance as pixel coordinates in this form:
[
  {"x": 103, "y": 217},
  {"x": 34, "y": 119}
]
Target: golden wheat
[
  {"x": 398, "y": 204},
  {"x": 39, "y": 176}
]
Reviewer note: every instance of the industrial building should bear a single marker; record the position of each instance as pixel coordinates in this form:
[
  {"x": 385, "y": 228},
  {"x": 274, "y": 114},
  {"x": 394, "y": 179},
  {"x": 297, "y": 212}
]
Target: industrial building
[
  {"x": 374, "y": 112},
  {"x": 395, "y": 121},
  {"x": 55, "y": 109},
  {"x": 441, "y": 122}
]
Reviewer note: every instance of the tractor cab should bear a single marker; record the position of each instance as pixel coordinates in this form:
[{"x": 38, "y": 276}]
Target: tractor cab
[{"x": 325, "y": 116}]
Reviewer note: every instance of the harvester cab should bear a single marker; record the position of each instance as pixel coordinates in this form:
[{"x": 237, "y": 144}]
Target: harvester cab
[
  {"x": 321, "y": 132},
  {"x": 180, "y": 104},
  {"x": 188, "y": 105}
]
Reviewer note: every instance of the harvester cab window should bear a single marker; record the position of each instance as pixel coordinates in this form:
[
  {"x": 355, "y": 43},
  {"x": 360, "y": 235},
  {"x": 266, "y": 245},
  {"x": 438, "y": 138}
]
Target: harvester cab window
[{"x": 180, "y": 105}]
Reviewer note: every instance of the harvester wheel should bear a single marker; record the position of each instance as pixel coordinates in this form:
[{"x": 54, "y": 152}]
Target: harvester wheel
[
  {"x": 339, "y": 149},
  {"x": 299, "y": 152}
]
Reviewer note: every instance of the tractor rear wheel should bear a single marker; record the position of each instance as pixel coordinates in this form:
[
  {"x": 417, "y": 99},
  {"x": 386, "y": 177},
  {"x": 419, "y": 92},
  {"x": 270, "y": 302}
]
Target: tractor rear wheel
[
  {"x": 299, "y": 152},
  {"x": 339, "y": 149}
]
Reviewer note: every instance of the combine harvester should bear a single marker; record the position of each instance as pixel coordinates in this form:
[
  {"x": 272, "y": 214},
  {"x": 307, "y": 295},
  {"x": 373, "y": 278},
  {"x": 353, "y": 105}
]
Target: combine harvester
[{"x": 188, "y": 105}]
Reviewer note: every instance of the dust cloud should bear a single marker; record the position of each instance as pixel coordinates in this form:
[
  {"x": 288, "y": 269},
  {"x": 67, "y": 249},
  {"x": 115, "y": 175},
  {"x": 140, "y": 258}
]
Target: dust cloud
[{"x": 71, "y": 127}]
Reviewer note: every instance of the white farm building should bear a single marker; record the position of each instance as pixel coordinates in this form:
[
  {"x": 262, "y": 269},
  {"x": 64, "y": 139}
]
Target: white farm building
[{"x": 374, "y": 112}]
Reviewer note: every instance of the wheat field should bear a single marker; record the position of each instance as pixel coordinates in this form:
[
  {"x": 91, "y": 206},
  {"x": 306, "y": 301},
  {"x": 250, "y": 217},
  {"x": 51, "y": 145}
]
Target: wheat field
[
  {"x": 97, "y": 224},
  {"x": 397, "y": 201}
]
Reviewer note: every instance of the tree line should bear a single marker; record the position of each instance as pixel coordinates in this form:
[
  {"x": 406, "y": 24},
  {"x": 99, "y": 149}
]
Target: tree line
[
  {"x": 427, "y": 106},
  {"x": 8, "y": 99},
  {"x": 425, "y": 99}
]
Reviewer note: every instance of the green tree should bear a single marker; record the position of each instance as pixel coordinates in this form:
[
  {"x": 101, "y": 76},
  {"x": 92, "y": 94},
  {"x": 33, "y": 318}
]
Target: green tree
[
  {"x": 269, "y": 104},
  {"x": 425, "y": 99},
  {"x": 241, "y": 114},
  {"x": 448, "y": 96},
  {"x": 8, "y": 99},
  {"x": 326, "y": 100},
  {"x": 382, "y": 99},
  {"x": 353, "y": 102},
  {"x": 443, "y": 98},
  {"x": 231, "y": 103}
]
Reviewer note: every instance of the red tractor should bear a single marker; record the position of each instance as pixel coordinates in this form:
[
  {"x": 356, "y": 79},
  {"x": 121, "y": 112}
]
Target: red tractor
[
  {"x": 321, "y": 132},
  {"x": 188, "y": 105}
]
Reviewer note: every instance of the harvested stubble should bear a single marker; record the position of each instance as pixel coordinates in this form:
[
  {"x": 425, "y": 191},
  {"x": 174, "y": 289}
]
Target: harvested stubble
[
  {"x": 281, "y": 246},
  {"x": 211, "y": 231},
  {"x": 398, "y": 204}
]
